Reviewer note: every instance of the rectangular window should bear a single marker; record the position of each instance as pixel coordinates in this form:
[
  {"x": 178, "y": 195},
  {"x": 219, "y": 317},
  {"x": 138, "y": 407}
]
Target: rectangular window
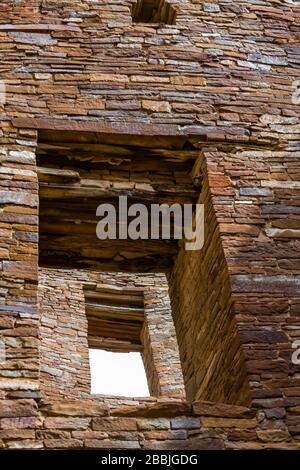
[
  {"x": 115, "y": 323},
  {"x": 119, "y": 374},
  {"x": 153, "y": 11}
]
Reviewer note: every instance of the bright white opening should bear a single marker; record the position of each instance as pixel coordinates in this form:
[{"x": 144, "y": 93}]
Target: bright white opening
[{"x": 120, "y": 374}]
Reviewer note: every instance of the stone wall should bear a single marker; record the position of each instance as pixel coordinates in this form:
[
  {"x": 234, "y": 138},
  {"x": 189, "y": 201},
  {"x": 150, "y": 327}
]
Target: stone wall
[
  {"x": 200, "y": 291},
  {"x": 211, "y": 74},
  {"x": 258, "y": 224},
  {"x": 223, "y": 77},
  {"x": 143, "y": 424}
]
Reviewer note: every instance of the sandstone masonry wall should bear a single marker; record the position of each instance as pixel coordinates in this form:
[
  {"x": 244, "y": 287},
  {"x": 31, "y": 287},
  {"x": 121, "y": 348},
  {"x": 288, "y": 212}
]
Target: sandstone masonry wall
[
  {"x": 211, "y": 354},
  {"x": 223, "y": 77},
  {"x": 257, "y": 220}
]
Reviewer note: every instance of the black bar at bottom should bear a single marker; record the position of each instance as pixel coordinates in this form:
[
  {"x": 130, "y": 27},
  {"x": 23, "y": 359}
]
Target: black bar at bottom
[{"x": 146, "y": 459}]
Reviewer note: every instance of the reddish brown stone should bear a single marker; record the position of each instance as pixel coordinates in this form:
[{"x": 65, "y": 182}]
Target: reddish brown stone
[
  {"x": 197, "y": 443},
  {"x": 114, "y": 424},
  {"x": 205, "y": 408},
  {"x": 17, "y": 408},
  {"x": 156, "y": 410}
]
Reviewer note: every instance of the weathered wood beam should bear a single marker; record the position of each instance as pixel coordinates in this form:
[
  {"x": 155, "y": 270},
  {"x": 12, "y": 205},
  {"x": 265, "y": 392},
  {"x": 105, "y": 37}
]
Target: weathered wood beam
[
  {"x": 113, "y": 345},
  {"x": 57, "y": 175},
  {"x": 171, "y": 193},
  {"x": 99, "y": 297},
  {"x": 112, "y": 311}
]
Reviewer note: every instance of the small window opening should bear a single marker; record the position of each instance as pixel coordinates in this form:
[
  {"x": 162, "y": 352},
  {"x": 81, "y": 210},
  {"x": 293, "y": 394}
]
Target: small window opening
[
  {"x": 119, "y": 374},
  {"x": 153, "y": 11},
  {"x": 115, "y": 323}
]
